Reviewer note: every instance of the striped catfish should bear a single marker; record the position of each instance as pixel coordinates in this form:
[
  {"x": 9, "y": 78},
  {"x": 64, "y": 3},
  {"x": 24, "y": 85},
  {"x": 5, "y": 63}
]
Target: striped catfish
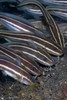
[
  {"x": 45, "y": 43},
  {"x": 56, "y": 34},
  {"x": 36, "y": 53},
  {"x": 15, "y": 71},
  {"x": 32, "y": 11},
  {"x": 40, "y": 25},
  {"x": 54, "y": 2},
  {"x": 58, "y": 11},
  {"x": 23, "y": 60},
  {"x": 16, "y": 23}
]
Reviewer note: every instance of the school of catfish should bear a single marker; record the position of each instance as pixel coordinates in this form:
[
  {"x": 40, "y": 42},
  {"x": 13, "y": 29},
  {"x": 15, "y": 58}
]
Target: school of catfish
[{"x": 27, "y": 47}]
